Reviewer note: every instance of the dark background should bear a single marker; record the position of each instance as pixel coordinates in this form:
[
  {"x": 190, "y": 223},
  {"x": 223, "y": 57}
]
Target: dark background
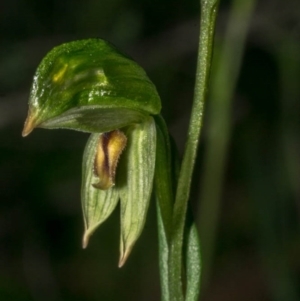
[{"x": 257, "y": 250}]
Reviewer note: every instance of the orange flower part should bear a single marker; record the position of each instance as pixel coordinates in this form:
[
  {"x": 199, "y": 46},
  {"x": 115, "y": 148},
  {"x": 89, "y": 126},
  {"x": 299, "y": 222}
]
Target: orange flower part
[{"x": 109, "y": 149}]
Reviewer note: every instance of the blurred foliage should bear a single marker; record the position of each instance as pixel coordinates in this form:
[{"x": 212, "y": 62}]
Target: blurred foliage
[{"x": 258, "y": 240}]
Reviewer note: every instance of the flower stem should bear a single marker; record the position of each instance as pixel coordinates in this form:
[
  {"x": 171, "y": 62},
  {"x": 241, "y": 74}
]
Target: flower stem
[
  {"x": 207, "y": 25},
  {"x": 223, "y": 81}
]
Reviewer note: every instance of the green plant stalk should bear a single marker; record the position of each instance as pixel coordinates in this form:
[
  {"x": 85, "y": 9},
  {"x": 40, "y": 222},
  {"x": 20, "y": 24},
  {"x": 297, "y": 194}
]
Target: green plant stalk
[
  {"x": 207, "y": 26},
  {"x": 223, "y": 84}
]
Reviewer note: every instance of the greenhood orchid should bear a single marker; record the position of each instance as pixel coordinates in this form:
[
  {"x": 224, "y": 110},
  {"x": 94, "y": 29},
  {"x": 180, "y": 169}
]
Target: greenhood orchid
[{"x": 89, "y": 86}]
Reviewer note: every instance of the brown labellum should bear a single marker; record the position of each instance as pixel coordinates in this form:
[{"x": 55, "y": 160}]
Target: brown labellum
[{"x": 109, "y": 149}]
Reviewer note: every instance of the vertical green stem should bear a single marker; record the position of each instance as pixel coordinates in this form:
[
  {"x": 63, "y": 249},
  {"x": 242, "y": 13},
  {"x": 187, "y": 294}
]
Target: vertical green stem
[
  {"x": 207, "y": 25},
  {"x": 228, "y": 61}
]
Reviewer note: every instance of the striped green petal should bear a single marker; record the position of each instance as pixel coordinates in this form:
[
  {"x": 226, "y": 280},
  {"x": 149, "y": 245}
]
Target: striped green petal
[
  {"x": 97, "y": 205},
  {"x": 136, "y": 181}
]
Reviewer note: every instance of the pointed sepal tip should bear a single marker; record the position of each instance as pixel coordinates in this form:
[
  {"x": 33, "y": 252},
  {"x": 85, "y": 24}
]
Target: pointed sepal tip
[
  {"x": 124, "y": 255},
  {"x": 29, "y": 125},
  {"x": 85, "y": 239}
]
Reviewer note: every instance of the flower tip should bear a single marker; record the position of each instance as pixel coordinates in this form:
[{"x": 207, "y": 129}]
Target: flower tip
[
  {"x": 29, "y": 125},
  {"x": 85, "y": 240},
  {"x": 121, "y": 262},
  {"x": 124, "y": 256}
]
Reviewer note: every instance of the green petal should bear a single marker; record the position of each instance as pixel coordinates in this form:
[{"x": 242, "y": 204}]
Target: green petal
[
  {"x": 89, "y": 75},
  {"x": 193, "y": 264},
  {"x": 135, "y": 182},
  {"x": 97, "y": 205}
]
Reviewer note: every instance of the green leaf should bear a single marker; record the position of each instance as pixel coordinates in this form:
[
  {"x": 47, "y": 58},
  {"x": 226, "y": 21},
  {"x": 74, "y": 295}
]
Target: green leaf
[
  {"x": 166, "y": 171},
  {"x": 97, "y": 205},
  {"x": 135, "y": 183},
  {"x": 164, "y": 191},
  {"x": 85, "y": 76},
  {"x": 193, "y": 263},
  {"x": 163, "y": 250},
  {"x": 164, "y": 200}
]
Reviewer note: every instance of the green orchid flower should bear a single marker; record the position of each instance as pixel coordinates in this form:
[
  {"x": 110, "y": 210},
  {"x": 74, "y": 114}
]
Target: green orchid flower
[{"x": 90, "y": 86}]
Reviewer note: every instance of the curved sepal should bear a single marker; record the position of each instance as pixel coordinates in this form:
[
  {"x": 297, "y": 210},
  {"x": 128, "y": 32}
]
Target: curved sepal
[
  {"x": 135, "y": 182},
  {"x": 97, "y": 205},
  {"x": 92, "y": 118},
  {"x": 85, "y": 76}
]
